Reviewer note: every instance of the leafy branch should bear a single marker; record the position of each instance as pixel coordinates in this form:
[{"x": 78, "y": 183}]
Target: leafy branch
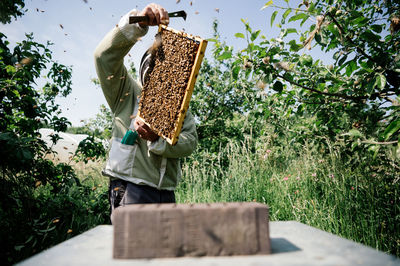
[
  {"x": 380, "y": 143},
  {"x": 340, "y": 95},
  {"x": 359, "y": 49}
]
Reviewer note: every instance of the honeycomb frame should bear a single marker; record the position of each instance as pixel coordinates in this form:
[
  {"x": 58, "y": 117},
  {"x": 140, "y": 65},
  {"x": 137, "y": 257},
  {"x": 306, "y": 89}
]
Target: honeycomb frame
[{"x": 178, "y": 122}]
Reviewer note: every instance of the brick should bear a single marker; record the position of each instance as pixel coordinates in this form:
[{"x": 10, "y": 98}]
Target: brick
[{"x": 175, "y": 230}]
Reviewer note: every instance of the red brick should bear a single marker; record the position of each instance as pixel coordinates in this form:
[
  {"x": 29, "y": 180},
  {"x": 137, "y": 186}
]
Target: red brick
[{"x": 174, "y": 230}]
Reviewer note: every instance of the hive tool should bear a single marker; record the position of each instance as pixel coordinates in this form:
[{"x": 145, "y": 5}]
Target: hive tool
[{"x": 135, "y": 19}]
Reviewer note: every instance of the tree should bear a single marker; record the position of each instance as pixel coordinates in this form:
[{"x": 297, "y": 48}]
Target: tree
[
  {"x": 353, "y": 97},
  {"x": 24, "y": 168},
  {"x": 348, "y": 109},
  {"x": 219, "y": 97}
]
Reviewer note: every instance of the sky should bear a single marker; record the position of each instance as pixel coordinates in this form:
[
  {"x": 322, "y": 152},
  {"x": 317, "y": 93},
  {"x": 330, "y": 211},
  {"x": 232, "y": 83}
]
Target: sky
[{"x": 75, "y": 27}]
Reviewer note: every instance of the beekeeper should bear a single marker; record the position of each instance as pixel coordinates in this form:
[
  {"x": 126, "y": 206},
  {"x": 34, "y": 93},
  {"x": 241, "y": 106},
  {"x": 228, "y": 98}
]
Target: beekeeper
[{"x": 148, "y": 170}]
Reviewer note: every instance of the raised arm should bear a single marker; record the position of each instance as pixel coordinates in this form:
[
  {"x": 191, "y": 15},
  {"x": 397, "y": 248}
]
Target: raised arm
[{"x": 109, "y": 57}]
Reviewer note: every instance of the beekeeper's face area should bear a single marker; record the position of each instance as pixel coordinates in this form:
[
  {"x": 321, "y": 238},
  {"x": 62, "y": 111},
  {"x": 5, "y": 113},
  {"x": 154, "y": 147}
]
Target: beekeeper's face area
[{"x": 144, "y": 66}]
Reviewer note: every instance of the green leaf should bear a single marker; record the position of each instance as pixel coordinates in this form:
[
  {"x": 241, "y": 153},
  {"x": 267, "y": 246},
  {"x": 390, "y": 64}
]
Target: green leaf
[
  {"x": 254, "y": 35},
  {"x": 341, "y": 61},
  {"x": 235, "y": 72},
  {"x": 375, "y": 150},
  {"x": 304, "y": 20},
  {"x": 376, "y": 28},
  {"x": 284, "y": 16},
  {"x": 294, "y": 46},
  {"x": 270, "y": 2},
  {"x": 369, "y": 36},
  {"x": 19, "y": 247},
  {"x": 354, "y": 133},
  {"x": 331, "y": 27},
  {"x": 225, "y": 55},
  {"x": 278, "y": 86},
  {"x": 273, "y": 17},
  {"x": 391, "y": 129},
  {"x": 298, "y": 16},
  {"x": 27, "y": 155},
  {"x": 291, "y": 30},
  {"x": 398, "y": 149},
  {"x": 267, "y": 78},
  {"x": 246, "y": 24},
  {"x": 351, "y": 67},
  {"x": 306, "y": 60},
  {"x": 311, "y": 7},
  {"x": 10, "y": 69},
  {"x": 380, "y": 81},
  {"x": 360, "y": 20},
  {"x": 239, "y": 35}
]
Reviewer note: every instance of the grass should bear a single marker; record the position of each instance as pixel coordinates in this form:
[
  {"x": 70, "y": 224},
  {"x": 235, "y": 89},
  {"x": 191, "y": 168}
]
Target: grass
[{"x": 313, "y": 189}]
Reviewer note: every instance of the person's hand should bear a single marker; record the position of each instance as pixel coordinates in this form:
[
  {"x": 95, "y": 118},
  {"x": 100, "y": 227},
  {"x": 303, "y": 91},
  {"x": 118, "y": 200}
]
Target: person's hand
[
  {"x": 144, "y": 131},
  {"x": 156, "y": 13}
]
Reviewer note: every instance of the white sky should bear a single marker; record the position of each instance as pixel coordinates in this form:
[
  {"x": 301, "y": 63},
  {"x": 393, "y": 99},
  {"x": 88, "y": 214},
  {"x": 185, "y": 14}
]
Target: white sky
[{"x": 85, "y": 24}]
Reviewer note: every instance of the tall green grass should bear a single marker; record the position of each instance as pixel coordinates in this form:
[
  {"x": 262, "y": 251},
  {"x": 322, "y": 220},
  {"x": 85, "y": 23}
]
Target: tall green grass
[{"x": 309, "y": 187}]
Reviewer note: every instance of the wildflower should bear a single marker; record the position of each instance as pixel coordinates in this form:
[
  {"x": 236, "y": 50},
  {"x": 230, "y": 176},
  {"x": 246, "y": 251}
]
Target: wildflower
[
  {"x": 352, "y": 188},
  {"x": 286, "y": 178},
  {"x": 298, "y": 177},
  {"x": 332, "y": 176},
  {"x": 314, "y": 174},
  {"x": 266, "y": 154}
]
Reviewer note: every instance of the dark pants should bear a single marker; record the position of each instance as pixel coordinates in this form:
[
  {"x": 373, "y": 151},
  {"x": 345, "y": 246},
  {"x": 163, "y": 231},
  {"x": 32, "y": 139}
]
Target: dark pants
[{"x": 122, "y": 193}]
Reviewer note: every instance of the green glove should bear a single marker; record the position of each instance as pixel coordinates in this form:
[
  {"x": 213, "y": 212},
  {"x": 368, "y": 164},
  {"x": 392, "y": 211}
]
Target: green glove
[{"x": 130, "y": 137}]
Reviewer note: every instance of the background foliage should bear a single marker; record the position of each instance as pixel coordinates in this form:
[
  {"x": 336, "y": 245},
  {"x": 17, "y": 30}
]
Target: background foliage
[
  {"x": 317, "y": 141},
  {"x": 39, "y": 199}
]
